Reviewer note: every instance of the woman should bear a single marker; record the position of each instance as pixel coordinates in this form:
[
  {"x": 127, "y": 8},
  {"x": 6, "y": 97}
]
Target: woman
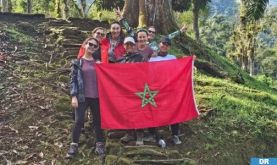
[
  {"x": 112, "y": 47},
  {"x": 142, "y": 47},
  {"x": 84, "y": 93},
  {"x": 99, "y": 33}
]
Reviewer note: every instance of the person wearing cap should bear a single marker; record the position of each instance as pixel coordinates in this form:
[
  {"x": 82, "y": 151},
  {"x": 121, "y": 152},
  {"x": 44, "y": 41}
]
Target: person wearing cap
[
  {"x": 131, "y": 55},
  {"x": 163, "y": 55},
  {"x": 164, "y": 47}
]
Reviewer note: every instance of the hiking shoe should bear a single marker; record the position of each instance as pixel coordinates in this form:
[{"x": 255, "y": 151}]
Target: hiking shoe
[
  {"x": 176, "y": 139},
  {"x": 149, "y": 138},
  {"x": 162, "y": 143},
  {"x": 73, "y": 150},
  {"x": 127, "y": 137},
  {"x": 100, "y": 148}
]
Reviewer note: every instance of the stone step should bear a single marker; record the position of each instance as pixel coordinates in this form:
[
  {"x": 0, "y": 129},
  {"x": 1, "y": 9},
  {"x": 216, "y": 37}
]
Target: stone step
[
  {"x": 59, "y": 22},
  {"x": 184, "y": 161}
]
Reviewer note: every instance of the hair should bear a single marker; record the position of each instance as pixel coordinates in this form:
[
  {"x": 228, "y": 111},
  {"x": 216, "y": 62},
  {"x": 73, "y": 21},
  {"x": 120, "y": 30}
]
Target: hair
[
  {"x": 151, "y": 27},
  {"x": 142, "y": 30},
  {"x": 115, "y": 22},
  {"x": 97, "y": 28},
  {"x": 88, "y": 39}
]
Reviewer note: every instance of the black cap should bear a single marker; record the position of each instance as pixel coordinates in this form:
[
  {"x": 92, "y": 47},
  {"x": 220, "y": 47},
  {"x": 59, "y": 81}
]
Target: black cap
[{"x": 166, "y": 40}]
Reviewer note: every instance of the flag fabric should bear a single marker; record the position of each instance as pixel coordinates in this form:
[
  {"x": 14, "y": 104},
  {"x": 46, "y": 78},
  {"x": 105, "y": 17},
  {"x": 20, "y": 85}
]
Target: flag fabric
[{"x": 143, "y": 95}]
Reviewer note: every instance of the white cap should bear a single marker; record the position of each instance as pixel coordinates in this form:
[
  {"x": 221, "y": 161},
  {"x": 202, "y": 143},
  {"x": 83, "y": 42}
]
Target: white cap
[{"x": 129, "y": 39}]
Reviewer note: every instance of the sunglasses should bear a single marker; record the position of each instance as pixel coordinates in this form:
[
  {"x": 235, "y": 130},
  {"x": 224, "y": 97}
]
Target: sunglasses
[
  {"x": 92, "y": 45},
  {"x": 150, "y": 31},
  {"x": 102, "y": 34},
  {"x": 166, "y": 43}
]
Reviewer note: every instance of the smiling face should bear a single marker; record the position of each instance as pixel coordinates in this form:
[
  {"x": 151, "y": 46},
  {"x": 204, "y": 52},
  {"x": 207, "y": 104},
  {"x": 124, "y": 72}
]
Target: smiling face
[
  {"x": 115, "y": 30},
  {"x": 129, "y": 47},
  {"x": 142, "y": 37},
  {"x": 164, "y": 46},
  {"x": 91, "y": 46},
  {"x": 151, "y": 33},
  {"x": 99, "y": 34}
]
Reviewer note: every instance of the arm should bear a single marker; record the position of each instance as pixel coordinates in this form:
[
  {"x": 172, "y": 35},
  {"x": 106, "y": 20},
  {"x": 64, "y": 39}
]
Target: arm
[
  {"x": 74, "y": 80},
  {"x": 174, "y": 34},
  {"x": 73, "y": 84},
  {"x": 123, "y": 21}
]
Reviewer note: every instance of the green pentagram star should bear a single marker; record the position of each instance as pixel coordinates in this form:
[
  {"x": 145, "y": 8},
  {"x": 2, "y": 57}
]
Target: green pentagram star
[{"x": 151, "y": 95}]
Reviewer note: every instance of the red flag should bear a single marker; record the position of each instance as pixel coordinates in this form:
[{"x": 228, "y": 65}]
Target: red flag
[{"x": 142, "y": 95}]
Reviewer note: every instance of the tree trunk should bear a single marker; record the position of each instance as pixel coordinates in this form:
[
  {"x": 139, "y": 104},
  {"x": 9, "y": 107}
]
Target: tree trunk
[
  {"x": 157, "y": 13},
  {"x": 6, "y": 6},
  {"x": 29, "y": 6},
  {"x": 58, "y": 8},
  {"x": 195, "y": 11},
  {"x": 83, "y": 8},
  {"x": 142, "y": 14},
  {"x": 251, "y": 56},
  {"x": 65, "y": 9},
  {"x": 131, "y": 12}
]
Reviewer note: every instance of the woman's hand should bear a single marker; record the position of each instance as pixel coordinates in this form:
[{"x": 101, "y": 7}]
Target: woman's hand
[
  {"x": 118, "y": 13},
  {"x": 74, "y": 102},
  {"x": 184, "y": 28},
  {"x": 194, "y": 57}
]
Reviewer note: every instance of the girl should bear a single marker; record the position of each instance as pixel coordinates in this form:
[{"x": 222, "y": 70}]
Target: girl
[{"x": 84, "y": 93}]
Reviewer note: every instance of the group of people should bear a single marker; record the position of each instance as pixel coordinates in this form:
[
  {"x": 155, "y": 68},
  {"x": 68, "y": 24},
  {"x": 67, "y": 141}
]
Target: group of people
[{"x": 113, "y": 47}]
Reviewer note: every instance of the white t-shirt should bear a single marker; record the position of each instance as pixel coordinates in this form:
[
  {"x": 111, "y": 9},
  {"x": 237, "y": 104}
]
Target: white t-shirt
[{"x": 160, "y": 58}]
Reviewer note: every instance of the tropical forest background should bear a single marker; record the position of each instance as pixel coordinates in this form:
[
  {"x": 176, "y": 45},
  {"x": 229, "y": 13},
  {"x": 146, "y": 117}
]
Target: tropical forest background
[{"x": 235, "y": 42}]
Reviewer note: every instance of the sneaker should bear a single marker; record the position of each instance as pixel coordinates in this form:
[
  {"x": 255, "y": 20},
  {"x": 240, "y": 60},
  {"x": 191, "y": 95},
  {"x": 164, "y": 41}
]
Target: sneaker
[
  {"x": 73, "y": 150},
  {"x": 139, "y": 141},
  {"x": 100, "y": 148},
  {"x": 127, "y": 137},
  {"x": 176, "y": 139},
  {"x": 162, "y": 143}
]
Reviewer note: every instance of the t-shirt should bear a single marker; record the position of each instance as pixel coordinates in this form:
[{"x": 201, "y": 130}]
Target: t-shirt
[
  {"x": 146, "y": 52},
  {"x": 162, "y": 58},
  {"x": 89, "y": 78}
]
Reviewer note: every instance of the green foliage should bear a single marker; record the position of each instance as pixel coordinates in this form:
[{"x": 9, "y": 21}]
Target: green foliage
[
  {"x": 227, "y": 8},
  {"x": 255, "y": 9},
  {"x": 216, "y": 31},
  {"x": 181, "y": 5},
  {"x": 17, "y": 36},
  {"x": 184, "y": 17},
  {"x": 108, "y": 4},
  {"x": 102, "y": 15}
]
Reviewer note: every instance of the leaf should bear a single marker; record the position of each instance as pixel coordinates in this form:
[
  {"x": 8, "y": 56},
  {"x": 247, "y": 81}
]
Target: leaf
[
  {"x": 59, "y": 144},
  {"x": 21, "y": 162},
  {"x": 33, "y": 127},
  {"x": 41, "y": 154}
]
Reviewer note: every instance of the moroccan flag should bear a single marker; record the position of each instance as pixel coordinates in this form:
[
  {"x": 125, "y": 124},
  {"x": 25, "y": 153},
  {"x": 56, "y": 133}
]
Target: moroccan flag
[{"x": 143, "y": 95}]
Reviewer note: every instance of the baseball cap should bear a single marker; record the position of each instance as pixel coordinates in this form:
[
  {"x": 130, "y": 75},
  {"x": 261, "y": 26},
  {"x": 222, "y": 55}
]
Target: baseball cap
[
  {"x": 129, "y": 39},
  {"x": 166, "y": 39}
]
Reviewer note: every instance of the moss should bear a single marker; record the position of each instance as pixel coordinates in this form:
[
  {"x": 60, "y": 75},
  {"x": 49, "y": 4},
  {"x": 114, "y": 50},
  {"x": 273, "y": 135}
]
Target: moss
[{"x": 114, "y": 160}]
